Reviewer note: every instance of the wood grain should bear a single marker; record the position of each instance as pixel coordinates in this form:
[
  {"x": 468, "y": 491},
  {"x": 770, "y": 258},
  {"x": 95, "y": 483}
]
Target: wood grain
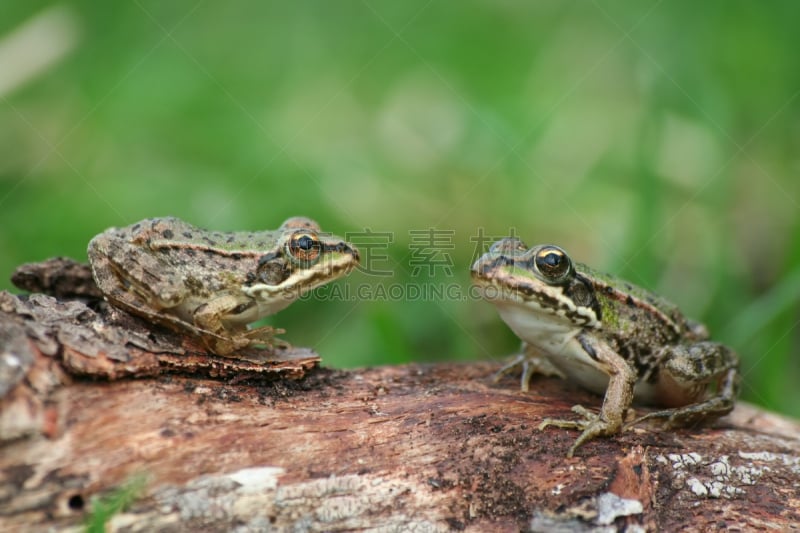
[{"x": 404, "y": 448}]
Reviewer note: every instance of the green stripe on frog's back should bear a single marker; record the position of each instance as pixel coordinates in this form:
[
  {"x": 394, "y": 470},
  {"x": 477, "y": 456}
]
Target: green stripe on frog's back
[
  {"x": 176, "y": 234},
  {"x": 610, "y": 290},
  {"x": 245, "y": 243}
]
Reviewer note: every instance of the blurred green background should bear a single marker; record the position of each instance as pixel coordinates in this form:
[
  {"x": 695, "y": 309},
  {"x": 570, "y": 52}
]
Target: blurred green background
[{"x": 659, "y": 140}]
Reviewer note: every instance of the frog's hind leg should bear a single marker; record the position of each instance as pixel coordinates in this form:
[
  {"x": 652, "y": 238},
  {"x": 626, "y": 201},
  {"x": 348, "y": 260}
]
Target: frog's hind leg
[
  {"x": 137, "y": 282},
  {"x": 531, "y": 363},
  {"x": 688, "y": 371},
  {"x": 133, "y": 278}
]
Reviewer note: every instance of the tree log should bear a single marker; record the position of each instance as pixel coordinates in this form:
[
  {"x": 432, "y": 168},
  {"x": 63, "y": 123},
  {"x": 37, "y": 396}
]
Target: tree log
[{"x": 94, "y": 400}]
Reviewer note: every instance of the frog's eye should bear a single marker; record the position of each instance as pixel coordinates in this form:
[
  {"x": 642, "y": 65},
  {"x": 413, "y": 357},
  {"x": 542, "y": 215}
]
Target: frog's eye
[
  {"x": 553, "y": 263},
  {"x": 304, "y": 248}
]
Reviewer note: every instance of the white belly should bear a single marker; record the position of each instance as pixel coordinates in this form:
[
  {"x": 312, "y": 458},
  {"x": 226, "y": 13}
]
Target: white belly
[
  {"x": 550, "y": 333},
  {"x": 555, "y": 339}
]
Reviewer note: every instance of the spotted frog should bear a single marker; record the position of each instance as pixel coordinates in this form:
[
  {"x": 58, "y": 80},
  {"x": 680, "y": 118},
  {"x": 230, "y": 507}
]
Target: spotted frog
[
  {"x": 607, "y": 335},
  {"x": 212, "y": 284}
]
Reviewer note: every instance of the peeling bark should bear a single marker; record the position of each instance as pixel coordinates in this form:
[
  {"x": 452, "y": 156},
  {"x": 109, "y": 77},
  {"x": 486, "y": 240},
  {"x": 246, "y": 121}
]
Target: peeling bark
[{"x": 92, "y": 398}]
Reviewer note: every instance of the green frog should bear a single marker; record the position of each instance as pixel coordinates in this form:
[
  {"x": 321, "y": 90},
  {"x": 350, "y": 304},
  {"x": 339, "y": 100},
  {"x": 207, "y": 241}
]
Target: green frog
[
  {"x": 607, "y": 335},
  {"x": 212, "y": 284}
]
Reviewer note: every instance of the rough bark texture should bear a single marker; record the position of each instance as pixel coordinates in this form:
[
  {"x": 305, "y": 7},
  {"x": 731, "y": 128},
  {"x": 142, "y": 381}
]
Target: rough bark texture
[{"x": 91, "y": 399}]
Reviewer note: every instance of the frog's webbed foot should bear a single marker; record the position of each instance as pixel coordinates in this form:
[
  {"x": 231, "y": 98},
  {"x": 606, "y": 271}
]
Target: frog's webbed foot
[
  {"x": 689, "y": 415},
  {"x": 224, "y": 331},
  {"x": 265, "y": 335},
  {"x": 519, "y": 360},
  {"x": 229, "y": 342},
  {"x": 674, "y": 418},
  {"x": 720, "y": 366},
  {"x": 531, "y": 363},
  {"x": 593, "y": 425}
]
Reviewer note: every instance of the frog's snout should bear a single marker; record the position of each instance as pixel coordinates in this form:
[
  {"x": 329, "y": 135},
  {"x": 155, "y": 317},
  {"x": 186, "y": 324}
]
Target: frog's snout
[
  {"x": 353, "y": 251},
  {"x": 349, "y": 250}
]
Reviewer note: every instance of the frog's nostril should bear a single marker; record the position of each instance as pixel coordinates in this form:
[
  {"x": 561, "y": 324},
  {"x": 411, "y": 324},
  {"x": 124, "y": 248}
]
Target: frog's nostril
[
  {"x": 344, "y": 248},
  {"x": 76, "y": 502}
]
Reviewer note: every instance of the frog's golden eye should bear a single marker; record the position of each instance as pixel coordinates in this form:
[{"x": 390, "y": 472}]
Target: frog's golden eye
[
  {"x": 304, "y": 248},
  {"x": 553, "y": 263}
]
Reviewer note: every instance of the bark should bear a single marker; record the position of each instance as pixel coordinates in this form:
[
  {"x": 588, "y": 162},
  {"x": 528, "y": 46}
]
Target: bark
[{"x": 93, "y": 400}]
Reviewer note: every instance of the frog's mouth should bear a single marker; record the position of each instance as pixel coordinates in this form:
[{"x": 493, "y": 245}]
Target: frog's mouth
[
  {"x": 304, "y": 279},
  {"x": 506, "y": 287},
  {"x": 503, "y": 282}
]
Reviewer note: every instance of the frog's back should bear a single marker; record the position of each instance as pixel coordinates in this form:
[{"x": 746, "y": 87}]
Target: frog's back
[
  {"x": 637, "y": 314},
  {"x": 172, "y": 232},
  {"x": 149, "y": 229},
  {"x": 161, "y": 228}
]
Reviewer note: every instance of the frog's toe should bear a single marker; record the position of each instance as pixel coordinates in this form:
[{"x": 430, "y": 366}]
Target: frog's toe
[
  {"x": 588, "y": 419},
  {"x": 263, "y": 332},
  {"x": 517, "y": 360},
  {"x": 530, "y": 365},
  {"x": 676, "y": 418},
  {"x": 665, "y": 414},
  {"x": 528, "y": 370},
  {"x": 280, "y": 343},
  {"x": 596, "y": 428},
  {"x": 591, "y": 424},
  {"x": 589, "y": 416},
  {"x": 561, "y": 423},
  {"x": 225, "y": 346},
  {"x": 265, "y": 335}
]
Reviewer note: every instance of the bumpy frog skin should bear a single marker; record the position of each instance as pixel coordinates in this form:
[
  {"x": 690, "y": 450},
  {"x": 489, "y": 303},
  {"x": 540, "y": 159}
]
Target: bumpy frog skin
[
  {"x": 213, "y": 284},
  {"x": 607, "y": 335}
]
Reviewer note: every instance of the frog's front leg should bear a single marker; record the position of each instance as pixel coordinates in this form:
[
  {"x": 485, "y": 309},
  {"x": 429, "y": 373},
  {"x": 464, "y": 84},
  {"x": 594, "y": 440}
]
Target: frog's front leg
[
  {"x": 226, "y": 318},
  {"x": 618, "y": 397},
  {"x": 685, "y": 373},
  {"x": 531, "y": 362}
]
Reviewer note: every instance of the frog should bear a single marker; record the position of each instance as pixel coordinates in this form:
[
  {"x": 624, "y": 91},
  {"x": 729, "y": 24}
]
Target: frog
[
  {"x": 608, "y": 336},
  {"x": 213, "y": 284}
]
